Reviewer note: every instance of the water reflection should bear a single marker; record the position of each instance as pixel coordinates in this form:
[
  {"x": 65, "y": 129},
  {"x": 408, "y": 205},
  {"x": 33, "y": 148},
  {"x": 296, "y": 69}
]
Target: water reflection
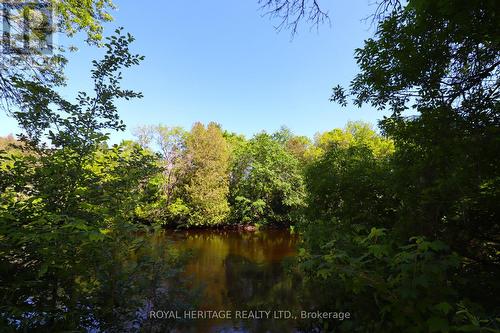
[{"x": 240, "y": 271}]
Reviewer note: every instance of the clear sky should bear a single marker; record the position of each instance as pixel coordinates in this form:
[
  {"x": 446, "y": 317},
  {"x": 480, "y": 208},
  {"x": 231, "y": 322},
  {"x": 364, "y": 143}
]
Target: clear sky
[{"x": 223, "y": 61}]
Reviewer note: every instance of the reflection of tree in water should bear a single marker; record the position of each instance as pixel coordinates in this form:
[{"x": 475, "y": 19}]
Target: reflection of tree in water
[
  {"x": 213, "y": 251},
  {"x": 263, "y": 286},
  {"x": 241, "y": 271},
  {"x": 247, "y": 281}
]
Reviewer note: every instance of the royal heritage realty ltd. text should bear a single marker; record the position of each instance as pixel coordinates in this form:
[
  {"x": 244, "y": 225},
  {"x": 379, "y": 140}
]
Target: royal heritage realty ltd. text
[{"x": 247, "y": 314}]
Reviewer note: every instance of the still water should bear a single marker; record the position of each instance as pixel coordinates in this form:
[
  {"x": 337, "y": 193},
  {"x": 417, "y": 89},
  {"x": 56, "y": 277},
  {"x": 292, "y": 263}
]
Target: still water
[{"x": 241, "y": 271}]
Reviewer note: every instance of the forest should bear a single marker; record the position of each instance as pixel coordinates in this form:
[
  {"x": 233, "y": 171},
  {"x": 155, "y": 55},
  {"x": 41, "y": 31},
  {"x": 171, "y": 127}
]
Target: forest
[{"x": 397, "y": 221}]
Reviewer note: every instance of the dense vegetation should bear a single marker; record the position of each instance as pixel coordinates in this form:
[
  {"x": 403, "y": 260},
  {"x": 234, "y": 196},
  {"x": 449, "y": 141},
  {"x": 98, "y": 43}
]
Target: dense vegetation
[
  {"x": 212, "y": 177},
  {"x": 70, "y": 256},
  {"x": 413, "y": 240},
  {"x": 399, "y": 226}
]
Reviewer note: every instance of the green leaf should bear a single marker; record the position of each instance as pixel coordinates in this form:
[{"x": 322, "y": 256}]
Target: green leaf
[
  {"x": 43, "y": 269},
  {"x": 437, "y": 324},
  {"x": 444, "y": 307}
]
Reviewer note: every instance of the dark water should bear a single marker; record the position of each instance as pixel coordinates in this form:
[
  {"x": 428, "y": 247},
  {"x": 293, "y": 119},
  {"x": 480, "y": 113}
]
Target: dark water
[{"x": 241, "y": 271}]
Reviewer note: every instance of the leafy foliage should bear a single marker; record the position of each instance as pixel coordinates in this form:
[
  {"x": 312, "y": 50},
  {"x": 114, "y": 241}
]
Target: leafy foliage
[
  {"x": 440, "y": 59},
  {"x": 207, "y": 184},
  {"x": 66, "y": 207},
  {"x": 30, "y": 24},
  {"x": 390, "y": 287},
  {"x": 355, "y": 134},
  {"x": 428, "y": 212},
  {"x": 401, "y": 228},
  {"x": 266, "y": 182},
  {"x": 165, "y": 203},
  {"x": 352, "y": 185}
]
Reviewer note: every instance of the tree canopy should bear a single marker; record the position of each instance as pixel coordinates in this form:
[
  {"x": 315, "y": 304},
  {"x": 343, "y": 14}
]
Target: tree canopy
[
  {"x": 266, "y": 183},
  {"x": 28, "y": 50}
]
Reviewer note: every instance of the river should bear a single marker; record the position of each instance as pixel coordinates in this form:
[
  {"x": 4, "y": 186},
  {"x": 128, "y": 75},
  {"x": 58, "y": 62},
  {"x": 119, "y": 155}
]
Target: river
[{"x": 243, "y": 274}]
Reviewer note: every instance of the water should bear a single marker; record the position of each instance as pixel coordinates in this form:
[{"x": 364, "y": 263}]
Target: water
[{"x": 241, "y": 271}]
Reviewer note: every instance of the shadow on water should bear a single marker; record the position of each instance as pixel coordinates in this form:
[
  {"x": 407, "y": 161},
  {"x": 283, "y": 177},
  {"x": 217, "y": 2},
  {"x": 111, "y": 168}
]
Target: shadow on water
[{"x": 240, "y": 271}]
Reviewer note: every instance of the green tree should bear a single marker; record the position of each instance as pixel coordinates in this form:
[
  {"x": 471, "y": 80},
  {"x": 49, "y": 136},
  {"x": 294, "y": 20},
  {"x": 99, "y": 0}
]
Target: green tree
[
  {"x": 166, "y": 204},
  {"x": 441, "y": 60},
  {"x": 66, "y": 210},
  {"x": 349, "y": 184},
  {"x": 207, "y": 182},
  {"x": 355, "y": 253},
  {"x": 352, "y": 185},
  {"x": 354, "y": 134},
  {"x": 266, "y": 182},
  {"x": 299, "y": 146},
  {"x": 27, "y": 24}
]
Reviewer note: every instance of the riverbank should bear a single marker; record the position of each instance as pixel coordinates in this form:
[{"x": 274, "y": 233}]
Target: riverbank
[{"x": 233, "y": 227}]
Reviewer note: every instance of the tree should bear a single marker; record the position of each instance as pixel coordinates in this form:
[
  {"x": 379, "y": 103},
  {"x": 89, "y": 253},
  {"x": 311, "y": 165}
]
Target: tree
[
  {"x": 66, "y": 209},
  {"x": 440, "y": 59},
  {"x": 27, "y": 49},
  {"x": 354, "y": 134},
  {"x": 431, "y": 54},
  {"x": 166, "y": 203},
  {"x": 266, "y": 182},
  {"x": 350, "y": 180},
  {"x": 207, "y": 182},
  {"x": 299, "y": 146},
  {"x": 171, "y": 143},
  {"x": 290, "y": 12}
]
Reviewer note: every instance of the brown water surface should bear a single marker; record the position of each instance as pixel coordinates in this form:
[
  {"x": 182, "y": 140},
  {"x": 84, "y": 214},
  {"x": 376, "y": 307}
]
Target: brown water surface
[{"x": 240, "y": 271}]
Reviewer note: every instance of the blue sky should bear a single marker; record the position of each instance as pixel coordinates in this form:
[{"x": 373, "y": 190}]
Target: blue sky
[{"x": 223, "y": 61}]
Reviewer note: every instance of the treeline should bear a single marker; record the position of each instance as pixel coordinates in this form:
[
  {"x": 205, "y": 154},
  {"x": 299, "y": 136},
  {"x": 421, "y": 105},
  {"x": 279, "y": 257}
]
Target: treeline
[
  {"x": 396, "y": 228},
  {"x": 358, "y": 198},
  {"x": 211, "y": 177}
]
